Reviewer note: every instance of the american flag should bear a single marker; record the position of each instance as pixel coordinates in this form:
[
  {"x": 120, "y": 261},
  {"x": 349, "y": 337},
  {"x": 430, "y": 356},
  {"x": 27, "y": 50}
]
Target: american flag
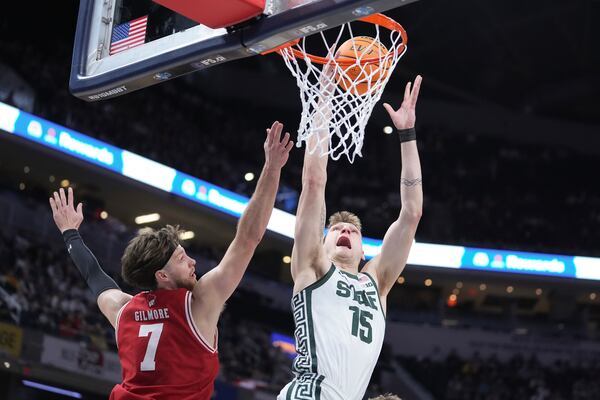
[{"x": 128, "y": 35}]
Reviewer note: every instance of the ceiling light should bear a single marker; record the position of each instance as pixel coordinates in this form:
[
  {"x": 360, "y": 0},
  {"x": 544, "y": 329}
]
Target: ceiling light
[
  {"x": 186, "y": 235},
  {"x": 146, "y": 219}
]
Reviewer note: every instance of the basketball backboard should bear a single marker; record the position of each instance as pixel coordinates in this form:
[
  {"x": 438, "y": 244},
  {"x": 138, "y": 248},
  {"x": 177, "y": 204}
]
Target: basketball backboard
[{"x": 125, "y": 45}]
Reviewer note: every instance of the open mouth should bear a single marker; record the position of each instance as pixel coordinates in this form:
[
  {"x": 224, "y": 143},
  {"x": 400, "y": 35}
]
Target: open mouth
[{"x": 344, "y": 241}]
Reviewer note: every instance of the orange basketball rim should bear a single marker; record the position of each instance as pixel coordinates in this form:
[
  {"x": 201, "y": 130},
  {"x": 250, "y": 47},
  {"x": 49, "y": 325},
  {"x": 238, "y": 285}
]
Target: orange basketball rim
[{"x": 376, "y": 19}]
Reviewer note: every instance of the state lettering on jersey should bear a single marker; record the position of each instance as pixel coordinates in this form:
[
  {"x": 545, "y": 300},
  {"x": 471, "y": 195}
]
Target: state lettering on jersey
[
  {"x": 362, "y": 297},
  {"x": 151, "y": 315}
]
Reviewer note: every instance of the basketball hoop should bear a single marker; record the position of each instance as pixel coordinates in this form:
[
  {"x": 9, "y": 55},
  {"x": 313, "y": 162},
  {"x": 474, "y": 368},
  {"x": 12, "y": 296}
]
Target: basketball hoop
[{"x": 338, "y": 91}]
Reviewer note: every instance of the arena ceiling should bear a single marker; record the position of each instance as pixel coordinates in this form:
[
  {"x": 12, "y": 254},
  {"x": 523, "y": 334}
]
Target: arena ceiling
[{"x": 537, "y": 58}]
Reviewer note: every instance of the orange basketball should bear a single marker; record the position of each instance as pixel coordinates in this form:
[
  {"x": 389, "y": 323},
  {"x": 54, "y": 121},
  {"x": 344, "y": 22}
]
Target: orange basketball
[{"x": 364, "y": 76}]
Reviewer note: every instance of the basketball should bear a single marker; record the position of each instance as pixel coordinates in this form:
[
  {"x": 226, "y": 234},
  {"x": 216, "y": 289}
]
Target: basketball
[{"x": 360, "y": 78}]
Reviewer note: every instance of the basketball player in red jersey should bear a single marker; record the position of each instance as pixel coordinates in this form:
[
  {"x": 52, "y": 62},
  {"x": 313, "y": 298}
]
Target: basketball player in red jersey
[{"x": 167, "y": 334}]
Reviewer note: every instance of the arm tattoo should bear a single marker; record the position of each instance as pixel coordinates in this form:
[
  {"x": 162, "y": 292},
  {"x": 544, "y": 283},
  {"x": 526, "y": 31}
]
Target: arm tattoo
[{"x": 410, "y": 182}]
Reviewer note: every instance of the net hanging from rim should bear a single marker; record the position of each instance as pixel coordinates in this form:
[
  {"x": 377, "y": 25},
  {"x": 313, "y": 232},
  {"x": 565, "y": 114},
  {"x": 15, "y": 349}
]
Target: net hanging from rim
[{"x": 338, "y": 92}]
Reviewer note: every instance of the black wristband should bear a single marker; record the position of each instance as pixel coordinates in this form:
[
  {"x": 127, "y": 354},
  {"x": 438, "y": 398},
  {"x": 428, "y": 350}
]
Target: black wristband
[{"x": 406, "y": 135}]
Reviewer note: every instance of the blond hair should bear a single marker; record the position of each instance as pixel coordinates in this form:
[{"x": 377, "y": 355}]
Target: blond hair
[
  {"x": 344, "y": 216},
  {"x": 387, "y": 396}
]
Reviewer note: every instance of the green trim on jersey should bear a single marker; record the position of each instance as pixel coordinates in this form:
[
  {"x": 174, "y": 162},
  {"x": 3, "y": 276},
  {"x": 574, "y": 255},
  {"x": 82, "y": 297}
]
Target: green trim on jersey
[
  {"x": 355, "y": 277},
  {"x": 305, "y": 298},
  {"x": 376, "y": 289},
  {"x": 290, "y": 390},
  {"x": 291, "y": 395},
  {"x": 321, "y": 281},
  {"x": 318, "y": 389},
  {"x": 311, "y": 330}
]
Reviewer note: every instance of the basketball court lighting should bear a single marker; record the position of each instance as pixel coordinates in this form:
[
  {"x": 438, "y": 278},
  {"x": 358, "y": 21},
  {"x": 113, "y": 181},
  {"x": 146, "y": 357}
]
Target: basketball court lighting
[
  {"x": 186, "y": 235},
  {"x": 287, "y": 259},
  {"x": 103, "y": 214},
  {"x": 388, "y": 130},
  {"x": 428, "y": 282},
  {"x": 64, "y": 183},
  {"x": 52, "y": 389},
  {"x": 249, "y": 176},
  {"x": 146, "y": 219},
  {"x": 509, "y": 289}
]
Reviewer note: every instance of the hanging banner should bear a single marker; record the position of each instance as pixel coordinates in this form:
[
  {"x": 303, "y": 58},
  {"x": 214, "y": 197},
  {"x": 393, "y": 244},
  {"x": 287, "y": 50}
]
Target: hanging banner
[
  {"x": 11, "y": 338},
  {"x": 81, "y": 358}
]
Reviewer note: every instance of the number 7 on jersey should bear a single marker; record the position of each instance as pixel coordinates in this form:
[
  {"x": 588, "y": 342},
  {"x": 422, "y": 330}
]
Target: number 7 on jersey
[{"x": 154, "y": 330}]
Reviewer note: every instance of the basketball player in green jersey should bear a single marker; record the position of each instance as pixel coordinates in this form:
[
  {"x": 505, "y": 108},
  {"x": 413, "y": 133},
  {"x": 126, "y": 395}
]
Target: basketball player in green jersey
[{"x": 339, "y": 312}]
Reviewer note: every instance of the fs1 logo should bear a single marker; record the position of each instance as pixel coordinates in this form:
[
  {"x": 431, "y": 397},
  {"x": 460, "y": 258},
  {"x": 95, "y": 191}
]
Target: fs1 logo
[
  {"x": 209, "y": 61},
  {"x": 312, "y": 28}
]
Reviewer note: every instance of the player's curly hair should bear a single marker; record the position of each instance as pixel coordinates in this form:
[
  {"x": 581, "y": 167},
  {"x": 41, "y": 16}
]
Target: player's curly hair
[{"x": 146, "y": 253}]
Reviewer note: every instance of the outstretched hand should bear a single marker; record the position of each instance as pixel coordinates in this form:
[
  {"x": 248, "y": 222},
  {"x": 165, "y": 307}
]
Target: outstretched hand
[
  {"x": 64, "y": 213},
  {"x": 277, "y": 150},
  {"x": 405, "y": 117}
]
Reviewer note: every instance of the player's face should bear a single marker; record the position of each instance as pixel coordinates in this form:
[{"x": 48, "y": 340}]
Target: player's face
[
  {"x": 344, "y": 242},
  {"x": 181, "y": 269}
]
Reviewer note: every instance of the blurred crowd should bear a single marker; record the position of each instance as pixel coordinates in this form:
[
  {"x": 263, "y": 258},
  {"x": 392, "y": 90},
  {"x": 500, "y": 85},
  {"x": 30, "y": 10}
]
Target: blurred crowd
[
  {"x": 478, "y": 378},
  {"x": 479, "y": 191},
  {"x": 41, "y": 289}
]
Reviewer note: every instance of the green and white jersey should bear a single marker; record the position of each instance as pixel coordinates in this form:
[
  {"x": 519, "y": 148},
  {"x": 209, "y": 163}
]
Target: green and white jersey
[{"x": 340, "y": 326}]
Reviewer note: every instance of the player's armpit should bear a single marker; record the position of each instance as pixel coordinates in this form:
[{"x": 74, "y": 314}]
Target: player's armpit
[
  {"x": 110, "y": 302},
  {"x": 216, "y": 286},
  {"x": 309, "y": 261}
]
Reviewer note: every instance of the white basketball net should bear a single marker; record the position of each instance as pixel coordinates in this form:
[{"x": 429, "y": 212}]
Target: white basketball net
[{"x": 336, "y": 116}]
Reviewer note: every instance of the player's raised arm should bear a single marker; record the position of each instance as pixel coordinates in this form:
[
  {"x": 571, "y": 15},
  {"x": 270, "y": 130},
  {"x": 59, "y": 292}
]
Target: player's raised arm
[
  {"x": 214, "y": 288},
  {"x": 309, "y": 261},
  {"x": 109, "y": 296},
  {"x": 398, "y": 240}
]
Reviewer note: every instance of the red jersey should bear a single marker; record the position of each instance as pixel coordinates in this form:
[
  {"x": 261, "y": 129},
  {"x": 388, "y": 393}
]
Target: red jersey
[{"x": 163, "y": 355}]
